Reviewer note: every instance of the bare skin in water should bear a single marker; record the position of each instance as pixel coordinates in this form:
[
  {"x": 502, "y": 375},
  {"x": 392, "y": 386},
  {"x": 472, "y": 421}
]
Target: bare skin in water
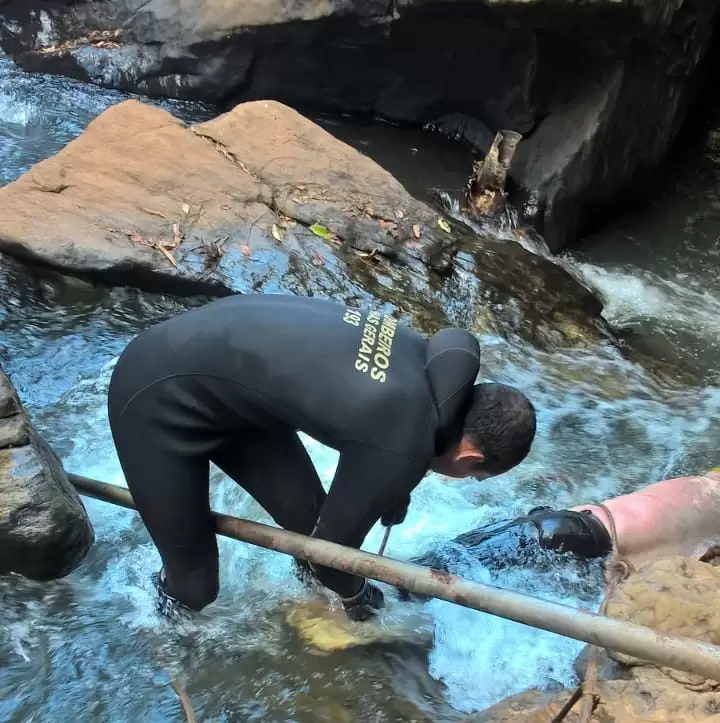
[{"x": 679, "y": 516}]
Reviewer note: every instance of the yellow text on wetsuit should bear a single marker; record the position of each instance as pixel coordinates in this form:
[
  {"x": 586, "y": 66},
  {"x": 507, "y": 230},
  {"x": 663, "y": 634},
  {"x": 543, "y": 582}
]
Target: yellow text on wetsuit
[{"x": 375, "y": 349}]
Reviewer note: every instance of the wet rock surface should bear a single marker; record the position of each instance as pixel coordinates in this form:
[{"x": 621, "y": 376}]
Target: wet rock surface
[
  {"x": 675, "y": 596},
  {"x": 262, "y": 200},
  {"x": 598, "y": 90},
  {"x": 45, "y": 532}
]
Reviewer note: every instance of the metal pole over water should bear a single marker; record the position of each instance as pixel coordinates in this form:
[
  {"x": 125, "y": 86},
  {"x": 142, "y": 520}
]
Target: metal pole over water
[{"x": 638, "y": 641}]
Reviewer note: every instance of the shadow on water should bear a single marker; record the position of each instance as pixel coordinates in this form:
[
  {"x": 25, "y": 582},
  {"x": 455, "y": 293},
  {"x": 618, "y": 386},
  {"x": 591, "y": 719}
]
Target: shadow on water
[
  {"x": 419, "y": 160},
  {"x": 90, "y": 647},
  {"x": 657, "y": 268}
]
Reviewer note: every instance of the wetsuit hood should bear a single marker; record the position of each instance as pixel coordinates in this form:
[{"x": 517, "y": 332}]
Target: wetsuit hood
[{"x": 452, "y": 364}]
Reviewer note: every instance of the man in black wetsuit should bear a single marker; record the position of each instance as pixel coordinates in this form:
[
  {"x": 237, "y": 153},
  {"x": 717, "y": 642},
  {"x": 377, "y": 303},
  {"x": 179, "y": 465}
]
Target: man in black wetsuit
[{"x": 232, "y": 382}]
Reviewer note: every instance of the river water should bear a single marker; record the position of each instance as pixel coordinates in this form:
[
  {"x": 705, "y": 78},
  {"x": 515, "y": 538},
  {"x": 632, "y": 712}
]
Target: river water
[{"x": 90, "y": 647}]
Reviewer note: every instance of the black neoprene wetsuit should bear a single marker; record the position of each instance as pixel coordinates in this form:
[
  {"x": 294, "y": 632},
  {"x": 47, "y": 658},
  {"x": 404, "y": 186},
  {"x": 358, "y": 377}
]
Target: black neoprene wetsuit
[{"x": 233, "y": 381}]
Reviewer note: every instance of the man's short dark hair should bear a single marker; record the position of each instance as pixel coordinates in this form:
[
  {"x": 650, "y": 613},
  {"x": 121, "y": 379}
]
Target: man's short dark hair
[{"x": 501, "y": 424}]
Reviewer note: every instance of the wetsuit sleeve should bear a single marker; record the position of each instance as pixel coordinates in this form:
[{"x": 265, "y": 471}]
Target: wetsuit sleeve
[{"x": 368, "y": 481}]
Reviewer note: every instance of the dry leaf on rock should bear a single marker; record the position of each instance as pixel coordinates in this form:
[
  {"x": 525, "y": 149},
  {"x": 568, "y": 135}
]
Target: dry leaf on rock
[{"x": 277, "y": 232}]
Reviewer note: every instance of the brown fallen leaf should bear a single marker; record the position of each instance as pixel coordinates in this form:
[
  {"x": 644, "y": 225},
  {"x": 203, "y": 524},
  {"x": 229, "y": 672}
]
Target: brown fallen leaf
[
  {"x": 246, "y": 250},
  {"x": 387, "y": 225},
  {"x": 185, "y": 701},
  {"x": 416, "y": 230},
  {"x": 369, "y": 211},
  {"x": 277, "y": 232}
]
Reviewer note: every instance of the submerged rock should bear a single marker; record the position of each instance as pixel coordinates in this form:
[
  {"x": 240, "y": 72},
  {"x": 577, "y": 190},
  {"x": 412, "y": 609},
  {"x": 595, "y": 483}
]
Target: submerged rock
[
  {"x": 326, "y": 630},
  {"x": 597, "y": 89},
  {"x": 674, "y": 596},
  {"x": 263, "y": 200},
  {"x": 45, "y": 532}
]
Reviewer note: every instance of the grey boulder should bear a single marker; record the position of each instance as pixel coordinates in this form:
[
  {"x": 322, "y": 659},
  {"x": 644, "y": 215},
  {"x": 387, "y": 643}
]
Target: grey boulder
[{"x": 45, "y": 532}]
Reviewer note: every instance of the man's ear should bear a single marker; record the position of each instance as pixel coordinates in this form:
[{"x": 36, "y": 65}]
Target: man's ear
[{"x": 468, "y": 452}]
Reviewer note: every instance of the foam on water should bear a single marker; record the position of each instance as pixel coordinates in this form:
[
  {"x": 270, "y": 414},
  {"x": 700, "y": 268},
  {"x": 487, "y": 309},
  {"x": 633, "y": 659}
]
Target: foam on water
[
  {"x": 591, "y": 444},
  {"x": 604, "y": 427},
  {"x": 632, "y": 294}
]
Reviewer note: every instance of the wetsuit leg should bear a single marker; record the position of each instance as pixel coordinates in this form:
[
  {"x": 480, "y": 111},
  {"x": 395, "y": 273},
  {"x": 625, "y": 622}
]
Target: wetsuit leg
[
  {"x": 276, "y": 470},
  {"x": 171, "y": 492}
]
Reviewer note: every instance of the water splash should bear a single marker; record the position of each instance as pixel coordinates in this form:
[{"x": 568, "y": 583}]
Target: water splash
[
  {"x": 609, "y": 430},
  {"x": 74, "y": 645}
]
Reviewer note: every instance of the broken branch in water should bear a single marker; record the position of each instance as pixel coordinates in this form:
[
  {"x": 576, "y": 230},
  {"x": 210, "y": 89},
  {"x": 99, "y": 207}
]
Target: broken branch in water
[
  {"x": 185, "y": 701},
  {"x": 485, "y": 193}
]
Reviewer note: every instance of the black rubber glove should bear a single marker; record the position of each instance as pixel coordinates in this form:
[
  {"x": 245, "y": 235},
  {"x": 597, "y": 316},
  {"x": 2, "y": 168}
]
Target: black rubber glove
[
  {"x": 365, "y": 604},
  {"x": 395, "y": 515}
]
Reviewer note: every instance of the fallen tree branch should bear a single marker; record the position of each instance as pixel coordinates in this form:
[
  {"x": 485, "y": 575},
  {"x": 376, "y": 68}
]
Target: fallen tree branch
[{"x": 185, "y": 701}]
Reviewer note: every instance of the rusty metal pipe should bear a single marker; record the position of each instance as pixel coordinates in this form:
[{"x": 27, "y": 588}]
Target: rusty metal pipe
[{"x": 636, "y": 640}]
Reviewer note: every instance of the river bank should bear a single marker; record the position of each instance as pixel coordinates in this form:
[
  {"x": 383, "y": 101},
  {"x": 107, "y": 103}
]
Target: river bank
[{"x": 605, "y": 427}]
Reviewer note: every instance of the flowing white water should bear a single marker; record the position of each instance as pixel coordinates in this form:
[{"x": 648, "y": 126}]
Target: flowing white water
[{"x": 90, "y": 647}]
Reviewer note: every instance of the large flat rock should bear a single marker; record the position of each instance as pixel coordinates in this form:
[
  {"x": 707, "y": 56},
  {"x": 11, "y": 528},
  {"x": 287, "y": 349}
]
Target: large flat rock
[
  {"x": 45, "y": 532},
  {"x": 261, "y": 199}
]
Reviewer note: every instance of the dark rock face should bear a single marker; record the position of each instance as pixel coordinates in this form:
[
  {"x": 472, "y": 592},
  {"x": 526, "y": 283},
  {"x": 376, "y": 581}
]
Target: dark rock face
[
  {"x": 45, "y": 532},
  {"x": 598, "y": 89}
]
